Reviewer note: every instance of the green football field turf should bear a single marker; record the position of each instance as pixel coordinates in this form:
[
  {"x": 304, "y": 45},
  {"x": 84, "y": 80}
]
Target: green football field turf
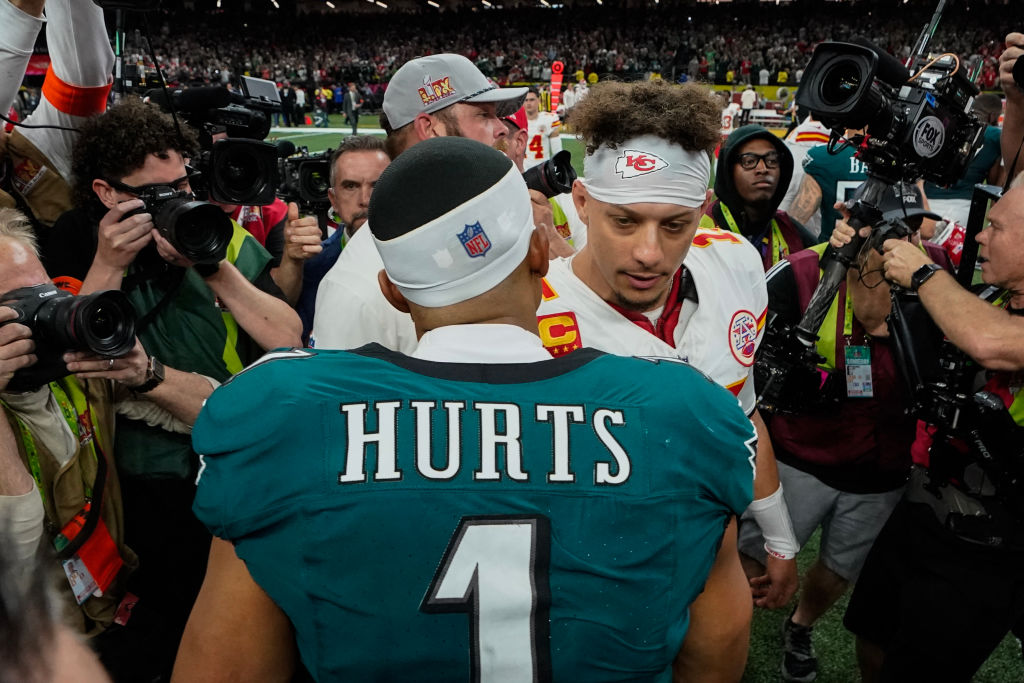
[{"x": 834, "y": 645}]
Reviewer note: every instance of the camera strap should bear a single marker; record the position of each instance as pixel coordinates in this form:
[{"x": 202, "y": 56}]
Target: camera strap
[{"x": 137, "y": 279}]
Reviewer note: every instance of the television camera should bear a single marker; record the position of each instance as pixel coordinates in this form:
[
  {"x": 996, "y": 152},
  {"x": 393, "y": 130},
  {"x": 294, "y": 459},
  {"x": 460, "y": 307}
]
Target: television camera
[{"x": 911, "y": 126}]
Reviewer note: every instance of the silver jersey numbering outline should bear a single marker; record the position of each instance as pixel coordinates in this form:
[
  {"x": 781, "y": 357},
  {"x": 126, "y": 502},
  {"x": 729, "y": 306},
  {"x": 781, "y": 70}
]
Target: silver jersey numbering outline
[{"x": 495, "y": 569}]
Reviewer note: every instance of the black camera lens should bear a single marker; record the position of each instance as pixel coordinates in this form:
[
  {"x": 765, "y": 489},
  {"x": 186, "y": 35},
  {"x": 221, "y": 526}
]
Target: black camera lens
[
  {"x": 315, "y": 181},
  {"x": 840, "y": 82},
  {"x": 554, "y": 177},
  {"x": 243, "y": 171},
  {"x": 201, "y": 232},
  {"x": 104, "y": 323}
]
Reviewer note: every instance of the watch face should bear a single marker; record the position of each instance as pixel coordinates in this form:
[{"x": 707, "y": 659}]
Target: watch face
[{"x": 158, "y": 370}]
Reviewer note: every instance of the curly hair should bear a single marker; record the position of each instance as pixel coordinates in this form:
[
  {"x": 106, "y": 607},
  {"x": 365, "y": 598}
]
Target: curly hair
[
  {"x": 113, "y": 144},
  {"x": 614, "y": 112}
]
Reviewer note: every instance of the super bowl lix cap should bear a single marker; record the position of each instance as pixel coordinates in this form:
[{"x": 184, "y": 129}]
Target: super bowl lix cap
[{"x": 428, "y": 84}]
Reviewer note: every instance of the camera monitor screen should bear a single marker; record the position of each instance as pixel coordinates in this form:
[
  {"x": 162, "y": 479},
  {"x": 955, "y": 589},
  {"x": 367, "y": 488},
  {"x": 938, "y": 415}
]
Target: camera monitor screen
[{"x": 260, "y": 89}]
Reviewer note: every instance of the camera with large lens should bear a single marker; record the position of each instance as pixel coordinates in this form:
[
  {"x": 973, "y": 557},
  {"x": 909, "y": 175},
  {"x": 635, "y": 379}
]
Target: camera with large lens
[
  {"x": 200, "y": 231},
  {"x": 554, "y": 177},
  {"x": 917, "y": 127},
  {"x": 242, "y": 169},
  {"x": 102, "y": 322},
  {"x": 236, "y": 171},
  {"x": 305, "y": 180}
]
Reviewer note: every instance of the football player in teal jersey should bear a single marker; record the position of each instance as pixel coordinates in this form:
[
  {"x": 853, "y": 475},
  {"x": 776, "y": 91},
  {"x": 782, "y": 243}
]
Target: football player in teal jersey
[
  {"x": 831, "y": 178},
  {"x": 476, "y": 510}
]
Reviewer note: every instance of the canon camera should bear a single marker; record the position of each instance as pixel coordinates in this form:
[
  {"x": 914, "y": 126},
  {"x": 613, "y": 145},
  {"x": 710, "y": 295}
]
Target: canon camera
[{"x": 102, "y": 322}]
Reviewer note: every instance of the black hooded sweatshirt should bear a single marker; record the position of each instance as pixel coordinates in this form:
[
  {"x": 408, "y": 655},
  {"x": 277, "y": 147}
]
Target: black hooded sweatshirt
[{"x": 794, "y": 235}]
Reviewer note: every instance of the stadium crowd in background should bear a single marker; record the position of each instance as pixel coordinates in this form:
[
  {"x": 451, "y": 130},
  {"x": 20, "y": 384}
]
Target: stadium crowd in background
[
  {"x": 708, "y": 43},
  {"x": 486, "y": 451}
]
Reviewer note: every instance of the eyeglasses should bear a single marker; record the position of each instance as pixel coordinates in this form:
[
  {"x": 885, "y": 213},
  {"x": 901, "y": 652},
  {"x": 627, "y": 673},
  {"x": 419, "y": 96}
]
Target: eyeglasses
[
  {"x": 748, "y": 161},
  {"x": 148, "y": 187}
]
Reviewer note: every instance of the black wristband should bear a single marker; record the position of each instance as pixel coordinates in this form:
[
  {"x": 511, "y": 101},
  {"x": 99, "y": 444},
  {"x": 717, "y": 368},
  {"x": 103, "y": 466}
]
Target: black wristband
[{"x": 205, "y": 270}]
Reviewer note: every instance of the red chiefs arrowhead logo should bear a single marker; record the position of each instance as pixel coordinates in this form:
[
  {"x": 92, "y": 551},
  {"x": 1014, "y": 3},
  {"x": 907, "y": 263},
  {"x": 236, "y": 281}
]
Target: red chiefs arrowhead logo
[{"x": 633, "y": 162}]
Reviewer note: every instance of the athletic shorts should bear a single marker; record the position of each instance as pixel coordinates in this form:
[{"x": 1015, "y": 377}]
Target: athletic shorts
[
  {"x": 849, "y": 521},
  {"x": 936, "y": 604}
]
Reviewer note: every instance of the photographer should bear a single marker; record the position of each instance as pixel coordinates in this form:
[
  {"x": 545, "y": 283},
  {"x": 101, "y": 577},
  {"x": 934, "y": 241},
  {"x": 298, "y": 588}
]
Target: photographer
[
  {"x": 942, "y": 585},
  {"x": 213, "y": 318},
  {"x": 843, "y": 461},
  {"x": 62, "y": 433}
]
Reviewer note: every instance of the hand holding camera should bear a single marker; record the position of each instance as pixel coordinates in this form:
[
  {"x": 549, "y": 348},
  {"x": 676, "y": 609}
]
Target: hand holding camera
[
  {"x": 16, "y": 346},
  {"x": 122, "y": 234},
  {"x": 40, "y": 323},
  {"x": 1011, "y": 69},
  {"x": 129, "y": 369}
]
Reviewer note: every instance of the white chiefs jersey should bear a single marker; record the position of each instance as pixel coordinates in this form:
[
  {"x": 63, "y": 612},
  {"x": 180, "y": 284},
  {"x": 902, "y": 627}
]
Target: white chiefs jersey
[
  {"x": 719, "y": 338},
  {"x": 540, "y": 146},
  {"x": 729, "y": 116}
]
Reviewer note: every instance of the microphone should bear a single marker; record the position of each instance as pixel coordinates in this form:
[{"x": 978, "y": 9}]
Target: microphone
[
  {"x": 191, "y": 100},
  {"x": 890, "y": 69},
  {"x": 285, "y": 148}
]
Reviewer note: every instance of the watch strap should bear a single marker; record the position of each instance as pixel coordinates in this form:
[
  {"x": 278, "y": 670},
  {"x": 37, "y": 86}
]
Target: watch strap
[
  {"x": 922, "y": 275},
  {"x": 154, "y": 376}
]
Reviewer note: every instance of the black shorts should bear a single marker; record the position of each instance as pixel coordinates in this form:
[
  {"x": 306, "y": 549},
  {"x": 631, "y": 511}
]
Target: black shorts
[{"x": 936, "y": 604}]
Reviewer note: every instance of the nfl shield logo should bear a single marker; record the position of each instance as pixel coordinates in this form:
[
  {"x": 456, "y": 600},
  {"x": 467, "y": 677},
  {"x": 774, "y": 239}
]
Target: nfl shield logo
[{"x": 474, "y": 240}]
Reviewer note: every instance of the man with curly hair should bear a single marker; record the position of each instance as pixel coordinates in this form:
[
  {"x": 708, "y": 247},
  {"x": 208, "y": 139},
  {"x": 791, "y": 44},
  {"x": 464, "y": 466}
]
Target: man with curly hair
[
  {"x": 210, "y": 318},
  {"x": 651, "y": 282}
]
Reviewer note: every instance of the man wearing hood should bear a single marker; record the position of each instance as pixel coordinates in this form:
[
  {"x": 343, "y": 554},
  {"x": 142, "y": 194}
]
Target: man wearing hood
[{"x": 754, "y": 171}]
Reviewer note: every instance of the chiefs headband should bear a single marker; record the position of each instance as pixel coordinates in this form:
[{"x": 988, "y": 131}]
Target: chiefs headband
[{"x": 647, "y": 169}]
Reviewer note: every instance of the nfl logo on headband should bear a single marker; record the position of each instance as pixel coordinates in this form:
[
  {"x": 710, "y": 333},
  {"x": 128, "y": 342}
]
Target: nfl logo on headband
[{"x": 474, "y": 240}]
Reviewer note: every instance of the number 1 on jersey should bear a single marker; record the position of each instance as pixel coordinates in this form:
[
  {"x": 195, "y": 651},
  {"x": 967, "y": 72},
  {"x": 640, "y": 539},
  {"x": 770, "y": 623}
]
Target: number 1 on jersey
[{"x": 496, "y": 570}]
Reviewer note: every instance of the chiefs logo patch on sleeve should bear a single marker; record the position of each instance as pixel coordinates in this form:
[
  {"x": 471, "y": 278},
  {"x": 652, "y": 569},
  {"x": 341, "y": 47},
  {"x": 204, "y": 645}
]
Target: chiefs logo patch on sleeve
[{"x": 743, "y": 337}]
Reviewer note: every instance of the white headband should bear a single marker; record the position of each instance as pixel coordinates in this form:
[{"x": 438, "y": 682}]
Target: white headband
[
  {"x": 465, "y": 252},
  {"x": 647, "y": 169}
]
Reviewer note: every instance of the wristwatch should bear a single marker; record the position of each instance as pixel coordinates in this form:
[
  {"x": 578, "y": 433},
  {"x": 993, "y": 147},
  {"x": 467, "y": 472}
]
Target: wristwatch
[
  {"x": 922, "y": 274},
  {"x": 154, "y": 376}
]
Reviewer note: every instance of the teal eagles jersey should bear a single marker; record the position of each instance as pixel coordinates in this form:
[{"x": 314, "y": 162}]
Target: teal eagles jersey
[
  {"x": 423, "y": 521},
  {"x": 838, "y": 175},
  {"x": 841, "y": 175}
]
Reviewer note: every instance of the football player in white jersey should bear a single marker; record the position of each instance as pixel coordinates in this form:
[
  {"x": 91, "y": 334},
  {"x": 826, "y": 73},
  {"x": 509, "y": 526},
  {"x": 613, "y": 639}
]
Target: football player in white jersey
[
  {"x": 650, "y": 282},
  {"x": 544, "y": 128}
]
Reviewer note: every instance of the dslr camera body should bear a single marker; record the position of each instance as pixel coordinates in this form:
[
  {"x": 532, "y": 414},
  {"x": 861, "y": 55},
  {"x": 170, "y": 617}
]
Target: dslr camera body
[
  {"x": 101, "y": 322},
  {"x": 200, "y": 231}
]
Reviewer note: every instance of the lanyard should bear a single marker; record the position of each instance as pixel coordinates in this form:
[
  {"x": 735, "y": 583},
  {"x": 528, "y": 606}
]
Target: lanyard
[
  {"x": 74, "y": 407},
  {"x": 773, "y": 236}
]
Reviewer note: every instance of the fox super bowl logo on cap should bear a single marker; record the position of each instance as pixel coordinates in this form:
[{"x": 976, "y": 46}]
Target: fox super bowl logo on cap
[
  {"x": 633, "y": 162},
  {"x": 435, "y": 91}
]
